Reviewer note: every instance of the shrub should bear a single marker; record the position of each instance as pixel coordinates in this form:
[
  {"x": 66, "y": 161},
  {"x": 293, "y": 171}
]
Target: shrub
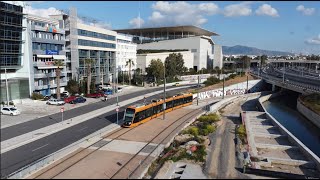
[
  {"x": 207, "y": 129},
  {"x": 209, "y": 119},
  {"x": 241, "y": 131},
  {"x": 192, "y": 130},
  {"x": 211, "y": 81},
  {"x": 36, "y": 96},
  {"x": 200, "y": 153},
  {"x": 232, "y": 76}
]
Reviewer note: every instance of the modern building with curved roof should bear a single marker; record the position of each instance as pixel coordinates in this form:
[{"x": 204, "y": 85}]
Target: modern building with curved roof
[{"x": 198, "y": 40}]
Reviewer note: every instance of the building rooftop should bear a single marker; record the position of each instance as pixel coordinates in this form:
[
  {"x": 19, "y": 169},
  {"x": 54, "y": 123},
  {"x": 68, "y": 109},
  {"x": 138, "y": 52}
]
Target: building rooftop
[{"x": 164, "y": 31}]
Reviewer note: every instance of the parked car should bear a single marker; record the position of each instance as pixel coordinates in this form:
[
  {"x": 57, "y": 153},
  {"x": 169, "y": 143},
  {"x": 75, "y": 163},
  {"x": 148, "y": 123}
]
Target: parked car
[
  {"x": 95, "y": 95},
  {"x": 78, "y": 100},
  {"x": 12, "y": 111},
  {"x": 176, "y": 84},
  {"x": 69, "y": 99},
  {"x": 66, "y": 93},
  {"x": 119, "y": 90},
  {"x": 107, "y": 92},
  {"x": 55, "y": 102}
]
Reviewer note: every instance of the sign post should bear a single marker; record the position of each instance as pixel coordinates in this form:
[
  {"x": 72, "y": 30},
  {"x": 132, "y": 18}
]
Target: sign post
[
  {"x": 117, "y": 114},
  {"x": 61, "y": 110}
]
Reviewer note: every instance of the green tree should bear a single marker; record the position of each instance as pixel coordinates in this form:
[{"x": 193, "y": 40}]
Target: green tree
[
  {"x": 72, "y": 86},
  {"x": 129, "y": 63},
  {"x": 123, "y": 77},
  {"x": 155, "y": 69},
  {"x": 59, "y": 63},
  {"x": 89, "y": 62},
  {"x": 174, "y": 65},
  {"x": 137, "y": 77}
]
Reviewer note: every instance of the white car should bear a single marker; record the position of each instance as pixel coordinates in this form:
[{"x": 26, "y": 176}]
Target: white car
[
  {"x": 119, "y": 90},
  {"x": 55, "y": 102},
  {"x": 12, "y": 111}
]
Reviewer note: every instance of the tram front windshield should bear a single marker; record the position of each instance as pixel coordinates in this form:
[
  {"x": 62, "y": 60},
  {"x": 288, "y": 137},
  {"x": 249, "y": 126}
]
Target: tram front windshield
[{"x": 129, "y": 115}]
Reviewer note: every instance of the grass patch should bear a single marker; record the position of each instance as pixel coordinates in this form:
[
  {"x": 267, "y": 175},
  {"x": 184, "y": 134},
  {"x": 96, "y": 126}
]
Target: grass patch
[{"x": 312, "y": 101}]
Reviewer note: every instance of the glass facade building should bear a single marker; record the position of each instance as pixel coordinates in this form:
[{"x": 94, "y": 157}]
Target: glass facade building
[
  {"x": 11, "y": 17},
  {"x": 11, "y": 52}
]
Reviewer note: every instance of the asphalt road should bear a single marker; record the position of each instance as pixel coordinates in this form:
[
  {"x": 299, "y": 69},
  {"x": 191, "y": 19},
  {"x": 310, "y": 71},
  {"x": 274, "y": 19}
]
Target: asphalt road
[
  {"x": 15, "y": 159},
  {"x": 22, "y": 128}
]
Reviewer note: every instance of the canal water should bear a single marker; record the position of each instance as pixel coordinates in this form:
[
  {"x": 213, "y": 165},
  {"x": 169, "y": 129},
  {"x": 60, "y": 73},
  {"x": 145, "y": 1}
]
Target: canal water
[{"x": 284, "y": 109}]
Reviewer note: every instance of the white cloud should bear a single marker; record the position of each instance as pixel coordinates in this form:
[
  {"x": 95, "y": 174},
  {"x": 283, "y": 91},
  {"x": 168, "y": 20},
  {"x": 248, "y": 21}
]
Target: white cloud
[
  {"x": 306, "y": 11},
  {"x": 42, "y": 12},
  {"x": 136, "y": 22},
  {"x": 314, "y": 40},
  {"x": 241, "y": 9},
  {"x": 267, "y": 10},
  {"x": 180, "y": 13}
]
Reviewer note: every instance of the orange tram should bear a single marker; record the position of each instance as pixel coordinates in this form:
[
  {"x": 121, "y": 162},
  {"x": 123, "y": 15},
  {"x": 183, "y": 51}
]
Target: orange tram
[{"x": 141, "y": 113}]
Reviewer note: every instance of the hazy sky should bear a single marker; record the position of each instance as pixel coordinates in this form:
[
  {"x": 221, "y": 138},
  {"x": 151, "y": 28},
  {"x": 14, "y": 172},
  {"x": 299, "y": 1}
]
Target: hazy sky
[{"x": 284, "y": 26}]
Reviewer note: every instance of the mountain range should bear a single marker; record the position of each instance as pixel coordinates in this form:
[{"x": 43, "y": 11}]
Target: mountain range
[{"x": 245, "y": 50}]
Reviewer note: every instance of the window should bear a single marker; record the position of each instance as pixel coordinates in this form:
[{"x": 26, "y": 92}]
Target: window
[
  {"x": 193, "y": 50},
  {"x": 149, "y": 112},
  {"x": 169, "y": 105},
  {"x": 34, "y": 46}
]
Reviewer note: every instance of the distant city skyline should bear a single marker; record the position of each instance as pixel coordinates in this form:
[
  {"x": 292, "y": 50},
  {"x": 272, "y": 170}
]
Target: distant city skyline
[{"x": 281, "y": 26}]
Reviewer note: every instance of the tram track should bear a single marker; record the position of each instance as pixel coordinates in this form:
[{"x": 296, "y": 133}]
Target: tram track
[{"x": 184, "y": 119}]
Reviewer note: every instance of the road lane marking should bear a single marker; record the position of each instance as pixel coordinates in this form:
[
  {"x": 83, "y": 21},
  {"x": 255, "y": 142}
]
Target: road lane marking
[
  {"x": 82, "y": 128},
  {"x": 40, "y": 147}
]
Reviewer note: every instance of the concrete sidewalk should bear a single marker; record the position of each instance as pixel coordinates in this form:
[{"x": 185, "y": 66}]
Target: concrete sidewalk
[{"x": 18, "y": 141}]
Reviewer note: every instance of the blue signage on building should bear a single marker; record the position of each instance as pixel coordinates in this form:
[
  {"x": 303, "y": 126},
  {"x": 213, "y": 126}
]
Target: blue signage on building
[{"x": 52, "y": 52}]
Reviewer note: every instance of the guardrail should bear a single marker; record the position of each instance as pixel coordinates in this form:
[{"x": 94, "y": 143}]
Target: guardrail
[{"x": 292, "y": 84}]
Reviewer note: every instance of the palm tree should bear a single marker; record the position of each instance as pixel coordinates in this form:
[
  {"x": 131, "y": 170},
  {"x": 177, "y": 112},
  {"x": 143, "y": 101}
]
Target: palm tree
[
  {"x": 129, "y": 62},
  {"x": 88, "y": 62},
  {"x": 59, "y": 63}
]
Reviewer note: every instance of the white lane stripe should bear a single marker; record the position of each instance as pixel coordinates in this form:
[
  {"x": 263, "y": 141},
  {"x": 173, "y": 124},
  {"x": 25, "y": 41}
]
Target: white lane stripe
[
  {"x": 82, "y": 128},
  {"x": 40, "y": 147}
]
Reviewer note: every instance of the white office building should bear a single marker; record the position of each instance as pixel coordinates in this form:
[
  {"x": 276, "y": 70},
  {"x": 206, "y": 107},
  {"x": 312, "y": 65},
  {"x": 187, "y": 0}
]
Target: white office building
[
  {"x": 192, "y": 38},
  {"x": 126, "y": 50},
  {"x": 46, "y": 46}
]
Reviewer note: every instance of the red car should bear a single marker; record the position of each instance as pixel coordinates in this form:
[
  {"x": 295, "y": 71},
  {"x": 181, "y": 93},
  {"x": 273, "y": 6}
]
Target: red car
[
  {"x": 95, "y": 95},
  {"x": 70, "y": 99}
]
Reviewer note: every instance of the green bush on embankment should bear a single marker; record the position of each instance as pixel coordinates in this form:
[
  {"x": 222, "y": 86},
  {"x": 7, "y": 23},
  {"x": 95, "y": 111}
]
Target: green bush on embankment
[{"x": 312, "y": 101}]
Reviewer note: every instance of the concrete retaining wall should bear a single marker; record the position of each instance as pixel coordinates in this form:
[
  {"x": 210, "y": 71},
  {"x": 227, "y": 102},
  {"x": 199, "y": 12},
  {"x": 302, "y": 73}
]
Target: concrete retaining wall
[
  {"x": 308, "y": 113},
  {"x": 305, "y": 150}
]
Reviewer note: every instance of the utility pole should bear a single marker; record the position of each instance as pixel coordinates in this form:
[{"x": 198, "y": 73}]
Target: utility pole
[
  {"x": 223, "y": 88},
  {"x": 7, "y": 88},
  {"x": 198, "y": 90},
  {"x": 117, "y": 89},
  {"x": 247, "y": 83},
  {"x": 164, "y": 92}
]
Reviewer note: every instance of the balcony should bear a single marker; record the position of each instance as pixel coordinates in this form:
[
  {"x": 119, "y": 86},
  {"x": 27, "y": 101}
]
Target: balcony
[
  {"x": 40, "y": 28},
  {"x": 40, "y": 87},
  {"x": 39, "y": 75},
  {"x": 54, "y": 74},
  {"x": 50, "y": 41},
  {"x": 62, "y": 83}
]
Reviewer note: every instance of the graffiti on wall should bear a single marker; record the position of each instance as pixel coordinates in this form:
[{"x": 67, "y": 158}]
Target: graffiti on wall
[{"x": 218, "y": 93}]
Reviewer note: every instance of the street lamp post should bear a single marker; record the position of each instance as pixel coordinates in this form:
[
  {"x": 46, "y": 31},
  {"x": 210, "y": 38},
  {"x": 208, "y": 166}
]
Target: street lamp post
[
  {"x": 164, "y": 91},
  {"x": 7, "y": 88}
]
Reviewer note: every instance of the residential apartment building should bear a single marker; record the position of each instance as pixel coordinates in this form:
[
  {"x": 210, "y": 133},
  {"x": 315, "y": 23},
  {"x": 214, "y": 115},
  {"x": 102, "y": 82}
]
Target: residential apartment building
[
  {"x": 126, "y": 50},
  {"x": 14, "y": 61},
  {"x": 48, "y": 45}
]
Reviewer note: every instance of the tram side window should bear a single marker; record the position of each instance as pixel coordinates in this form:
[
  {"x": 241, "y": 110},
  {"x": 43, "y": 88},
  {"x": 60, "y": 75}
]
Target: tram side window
[
  {"x": 169, "y": 105},
  {"x": 155, "y": 109},
  {"x": 142, "y": 115},
  {"x": 180, "y": 101},
  {"x": 149, "y": 112},
  {"x": 160, "y": 107},
  {"x": 136, "y": 118}
]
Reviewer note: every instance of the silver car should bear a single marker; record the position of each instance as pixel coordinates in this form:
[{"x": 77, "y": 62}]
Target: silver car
[
  {"x": 12, "y": 111},
  {"x": 55, "y": 102}
]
